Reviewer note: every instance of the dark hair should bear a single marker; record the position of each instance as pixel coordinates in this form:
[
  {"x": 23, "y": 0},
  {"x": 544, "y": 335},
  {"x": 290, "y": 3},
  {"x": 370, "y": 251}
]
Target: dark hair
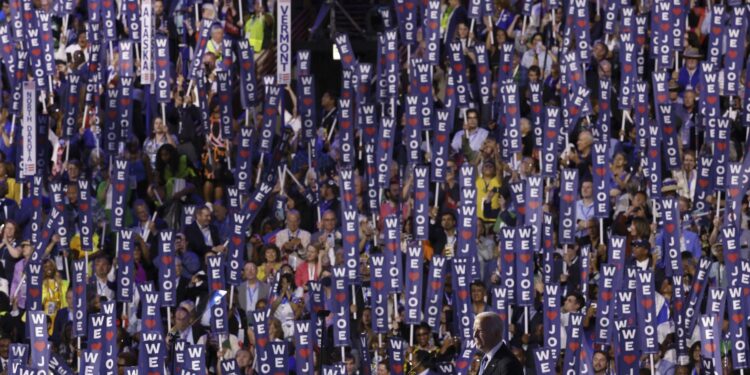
[
  {"x": 173, "y": 163},
  {"x": 578, "y": 296}
]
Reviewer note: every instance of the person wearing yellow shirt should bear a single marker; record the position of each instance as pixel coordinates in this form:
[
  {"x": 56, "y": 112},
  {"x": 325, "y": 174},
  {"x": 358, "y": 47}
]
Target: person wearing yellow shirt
[
  {"x": 257, "y": 28},
  {"x": 53, "y": 291},
  {"x": 488, "y": 182},
  {"x": 215, "y": 44}
]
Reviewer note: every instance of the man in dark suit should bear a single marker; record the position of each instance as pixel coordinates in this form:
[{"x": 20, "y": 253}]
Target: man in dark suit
[
  {"x": 202, "y": 236},
  {"x": 497, "y": 359}
]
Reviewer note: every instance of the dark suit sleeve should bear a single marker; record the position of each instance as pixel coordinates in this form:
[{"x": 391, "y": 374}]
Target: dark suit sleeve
[
  {"x": 196, "y": 241},
  {"x": 507, "y": 364}
]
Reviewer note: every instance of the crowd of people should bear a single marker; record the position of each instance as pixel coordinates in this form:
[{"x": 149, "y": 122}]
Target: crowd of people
[{"x": 182, "y": 169}]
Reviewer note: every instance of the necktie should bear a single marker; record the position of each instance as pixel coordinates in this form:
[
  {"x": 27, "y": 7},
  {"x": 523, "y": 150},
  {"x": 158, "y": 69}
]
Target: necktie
[{"x": 483, "y": 365}]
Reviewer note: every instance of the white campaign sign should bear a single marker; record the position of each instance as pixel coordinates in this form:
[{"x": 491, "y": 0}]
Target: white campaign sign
[
  {"x": 284, "y": 42},
  {"x": 28, "y": 129}
]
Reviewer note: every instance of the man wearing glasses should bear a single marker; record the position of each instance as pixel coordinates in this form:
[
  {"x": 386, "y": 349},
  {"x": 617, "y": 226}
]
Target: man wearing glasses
[{"x": 476, "y": 135}]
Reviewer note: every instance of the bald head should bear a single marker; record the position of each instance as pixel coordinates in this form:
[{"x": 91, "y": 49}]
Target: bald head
[{"x": 488, "y": 331}]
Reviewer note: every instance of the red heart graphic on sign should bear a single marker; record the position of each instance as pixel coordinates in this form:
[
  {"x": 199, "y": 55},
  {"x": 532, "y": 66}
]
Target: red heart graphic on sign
[
  {"x": 252, "y": 206},
  {"x": 215, "y": 286},
  {"x": 677, "y": 11},
  {"x": 440, "y": 138},
  {"x": 149, "y": 323},
  {"x": 669, "y": 227},
  {"x": 462, "y": 364},
  {"x": 463, "y": 294},
  {"x": 270, "y": 111},
  {"x": 524, "y": 258},
  {"x": 450, "y": 91},
  {"x": 432, "y": 25},
  {"x": 96, "y": 346},
  {"x": 629, "y": 359},
  {"x": 341, "y": 297},
  {"x": 568, "y": 198},
  {"x": 378, "y": 285},
  {"x": 551, "y": 134},
  {"x": 716, "y": 30},
  {"x": 653, "y": 153},
  {"x": 413, "y": 276},
  {"x": 132, "y": 6},
  {"x": 262, "y": 341},
  {"x": 709, "y": 347},
  {"x": 371, "y": 131},
  {"x": 34, "y": 292},
  {"x": 412, "y": 121},
  {"x": 112, "y": 114},
  {"x": 732, "y": 257},
  {"x": 533, "y": 205},
  {"x": 392, "y": 246},
  {"x": 661, "y": 98},
  {"x": 385, "y": 145},
  {"x": 303, "y": 352},
  {"x": 665, "y": 26},
  {"x": 78, "y": 289},
  {"x": 738, "y": 318},
  {"x": 351, "y": 238},
  {"x": 721, "y": 146},
  {"x": 237, "y": 241},
  {"x": 509, "y": 257},
  {"x": 391, "y": 56},
  {"x": 409, "y": 5},
  {"x": 348, "y": 197},
  {"x": 552, "y": 315},
  {"x": 647, "y": 303},
  {"x": 125, "y": 257},
  {"x": 244, "y": 154},
  {"x": 668, "y": 130},
  {"x": 346, "y": 124},
  {"x": 424, "y": 89},
  {"x": 420, "y": 195},
  {"x": 712, "y": 99},
  {"x": 40, "y": 346},
  {"x": 347, "y": 59},
  {"x": 732, "y": 53},
  {"x": 573, "y": 346},
  {"x": 703, "y": 183},
  {"x": 601, "y": 171},
  {"x": 36, "y": 51},
  {"x": 536, "y": 108},
  {"x": 458, "y": 67},
  {"x": 435, "y": 284},
  {"x": 547, "y": 244},
  {"x": 482, "y": 69},
  {"x": 109, "y": 335},
  {"x": 512, "y": 110},
  {"x": 573, "y": 111},
  {"x": 606, "y": 295},
  {"x": 83, "y": 206},
  {"x": 466, "y": 234},
  {"x": 162, "y": 64},
  {"x": 166, "y": 260},
  {"x": 397, "y": 368},
  {"x": 125, "y": 101},
  {"x": 8, "y": 48}
]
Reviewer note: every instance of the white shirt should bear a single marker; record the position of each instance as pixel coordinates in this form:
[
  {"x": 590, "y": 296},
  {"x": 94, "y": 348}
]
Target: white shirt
[
  {"x": 476, "y": 138},
  {"x": 207, "y": 235}
]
